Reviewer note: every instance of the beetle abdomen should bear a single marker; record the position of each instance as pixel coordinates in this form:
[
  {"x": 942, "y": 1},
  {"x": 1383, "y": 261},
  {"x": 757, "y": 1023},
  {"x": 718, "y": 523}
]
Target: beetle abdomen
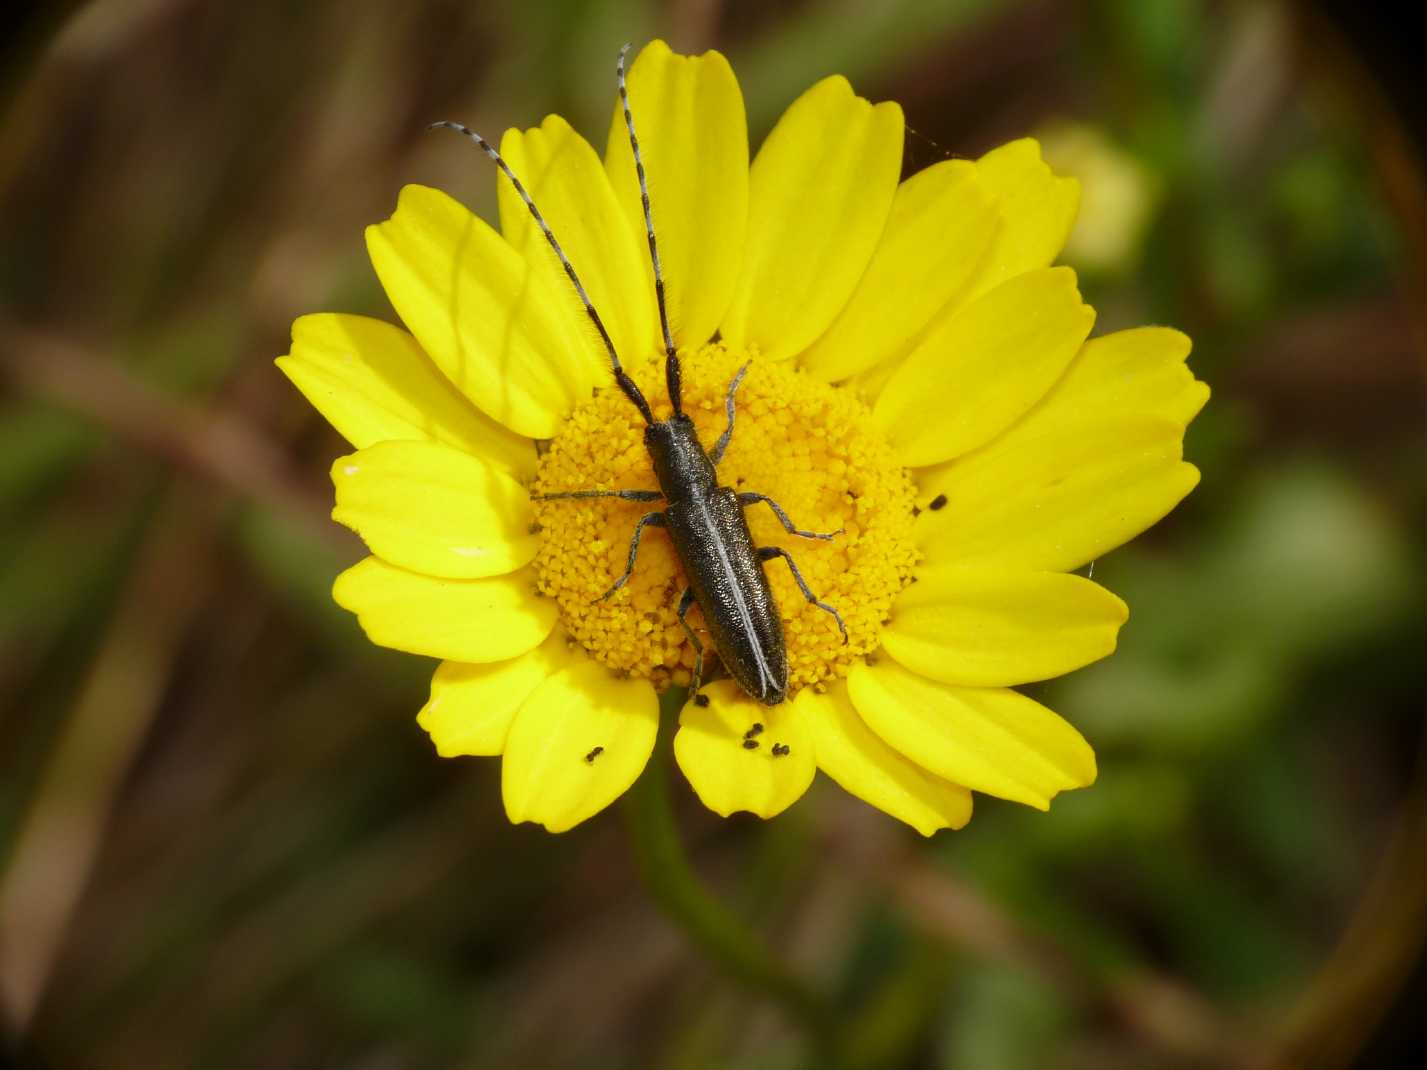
[{"x": 714, "y": 545}]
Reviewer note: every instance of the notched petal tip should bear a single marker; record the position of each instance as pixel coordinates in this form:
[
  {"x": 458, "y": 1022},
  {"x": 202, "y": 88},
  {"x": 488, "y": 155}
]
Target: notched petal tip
[
  {"x": 821, "y": 188},
  {"x": 985, "y": 366},
  {"x": 834, "y": 85},
  {"x": 993, "y": 740},
  {"x": 435, "y": 510},
  {"x": 471, "y": 707},
  {"x": 577, "y": 743},
  {"x": 739, "y": 755},
  {"x": 1038, "y": 209},
  {"x": 693, "y": 137},
  {"x": 488, "y": 319},
  {"x": 1001, "y": 627},
  {"x": 477, "y": 620},
  {"x": 863, "y": 765}
]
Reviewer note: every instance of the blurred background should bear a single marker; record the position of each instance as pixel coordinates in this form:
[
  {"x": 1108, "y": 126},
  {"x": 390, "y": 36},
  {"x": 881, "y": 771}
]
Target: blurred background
[{"x": 225, "y": 843}]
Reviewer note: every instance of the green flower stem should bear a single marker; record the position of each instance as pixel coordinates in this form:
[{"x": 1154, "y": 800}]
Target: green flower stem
[{"x": 724, "y": 937}]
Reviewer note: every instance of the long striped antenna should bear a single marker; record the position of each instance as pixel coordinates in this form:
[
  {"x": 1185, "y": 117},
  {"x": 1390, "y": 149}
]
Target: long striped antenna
[
  {"x": 626, "y": 384},
  {"x": 671, "y": 360}
]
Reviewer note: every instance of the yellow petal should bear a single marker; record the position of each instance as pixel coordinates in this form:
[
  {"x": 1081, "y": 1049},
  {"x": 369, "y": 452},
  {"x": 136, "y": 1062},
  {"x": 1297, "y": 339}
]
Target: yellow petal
[
  {"x": 486, "y": 319},
  {"x": 863, "y": 765},
  {"x": 1037, "y": 211},
  {"x": 433, "y": 509},
  {"x": 568, "y": 183},
  {"x": 989, "y": 627},
  {"x": 693, "y": 137},
  {"x": 1138, "y": 372},
  {"x": 983, "y": 367},
  {"x": 819, "y": 193},
  {"x": 713, "y": 748},
  {"x": 373, "y": 383},
  {"x": 941, "y": 224},
  {"x": 577, "y": 743},
  {"x": 1053, "y": 501},
  {"x": 472, "y": 706},
  {"x": 990, "y": 739},
  {"x": 869, "y": 384},
  {"x": 460, "y": 620}
]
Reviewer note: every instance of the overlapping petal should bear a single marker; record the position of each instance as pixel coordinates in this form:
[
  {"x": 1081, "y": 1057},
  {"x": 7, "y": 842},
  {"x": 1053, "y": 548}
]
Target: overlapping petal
[
  {"x": 993, "y": 627},
  {"x": 472, "y": 706},
  {"x": 577, "y": 743},
  {"x": 1037, "y": 208},
  {"x": 1055, "y": 498},
  {"x": 483, "y": 620},
  {"x": 492, "y": 322},
  {"x": 373, "y": 383},
  {"x": 820, "y": 191},
  {"x": 1139, "y": 372},
  {"x": 693, "y": 138},
  {"x": 982, "y": 368},
  {"x": 992, "y": 740},
  {"x": 436, "y": 510},
  {"x": 1035, "y": 211},
  {"x": 863, "y": 765},
  {"x": 567, "y": 182},
  {"x": 741, "y": 755},
  {"x": 941, "y": 224}
]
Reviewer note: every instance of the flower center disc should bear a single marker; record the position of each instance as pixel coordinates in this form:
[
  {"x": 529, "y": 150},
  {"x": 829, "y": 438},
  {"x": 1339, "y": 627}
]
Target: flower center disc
[{"x": 810, "y": 447}]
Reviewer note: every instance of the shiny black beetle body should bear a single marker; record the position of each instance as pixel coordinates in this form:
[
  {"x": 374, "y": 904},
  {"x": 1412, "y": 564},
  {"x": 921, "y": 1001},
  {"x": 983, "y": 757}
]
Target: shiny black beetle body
[
  {"x": 705, "y": 520},
  {"x": 726, "y": 578}
]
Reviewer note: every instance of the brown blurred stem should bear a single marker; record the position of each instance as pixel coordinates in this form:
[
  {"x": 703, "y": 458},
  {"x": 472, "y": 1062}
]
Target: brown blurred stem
[
  {"x": 214, "y": 445},
  {"x": 1169, "y": 1016},
  {"x": 27, "y": 40},
  {"x": 63, "y": 830},
  {"x": 714, "y": 929},
  {"x": 1381, "y": 944}
]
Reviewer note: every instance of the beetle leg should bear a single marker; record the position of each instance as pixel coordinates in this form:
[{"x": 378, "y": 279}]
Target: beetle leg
[
  {"x": 767, "y": 553},
  {"x": 716, "y": 454},
  {"x": 657, "y": 520},
  {"x": 749, "y": 497},
  {"x": 627, "y": 495},
  {"x": 686, "y": 601}
]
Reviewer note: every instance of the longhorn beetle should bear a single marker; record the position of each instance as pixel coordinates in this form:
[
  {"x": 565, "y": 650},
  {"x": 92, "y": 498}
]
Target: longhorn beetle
[{"x": 704, "y": 519}]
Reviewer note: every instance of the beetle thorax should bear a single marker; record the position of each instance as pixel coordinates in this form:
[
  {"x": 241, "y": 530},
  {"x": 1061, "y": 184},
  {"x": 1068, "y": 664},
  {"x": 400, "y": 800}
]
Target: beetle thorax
[{"x": 681, "y": 465}]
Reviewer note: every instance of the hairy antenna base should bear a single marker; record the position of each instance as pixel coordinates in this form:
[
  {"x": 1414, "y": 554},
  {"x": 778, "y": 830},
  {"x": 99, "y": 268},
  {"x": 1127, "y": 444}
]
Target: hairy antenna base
[{"x": 808, "y": 446}]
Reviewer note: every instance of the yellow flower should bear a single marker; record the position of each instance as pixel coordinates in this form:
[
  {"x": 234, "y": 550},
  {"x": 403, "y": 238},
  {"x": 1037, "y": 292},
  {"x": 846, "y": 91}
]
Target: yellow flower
[{"x": 920, "y": 378}]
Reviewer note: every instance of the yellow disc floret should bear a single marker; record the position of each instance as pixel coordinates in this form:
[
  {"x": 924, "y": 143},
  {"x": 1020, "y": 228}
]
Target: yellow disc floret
[{"x": 808, "y": 446}]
